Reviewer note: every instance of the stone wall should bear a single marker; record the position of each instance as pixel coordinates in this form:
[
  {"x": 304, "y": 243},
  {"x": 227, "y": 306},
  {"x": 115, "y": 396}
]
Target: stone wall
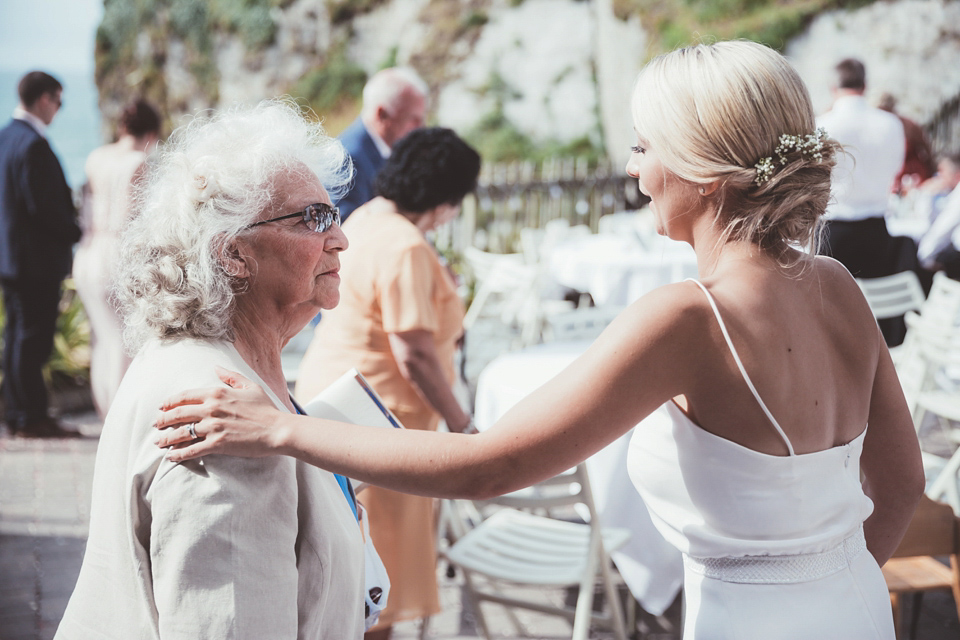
[{"x": 553, "y": 72}]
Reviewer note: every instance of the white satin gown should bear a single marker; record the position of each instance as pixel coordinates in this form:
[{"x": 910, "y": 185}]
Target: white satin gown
[{"x": 773, "y": 546}]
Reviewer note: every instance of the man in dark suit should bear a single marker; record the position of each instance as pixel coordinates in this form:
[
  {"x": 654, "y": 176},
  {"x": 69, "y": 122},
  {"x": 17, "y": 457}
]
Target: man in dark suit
[
  {"x": 394, "y": 104},
  {"x": 38, "y": 228}
]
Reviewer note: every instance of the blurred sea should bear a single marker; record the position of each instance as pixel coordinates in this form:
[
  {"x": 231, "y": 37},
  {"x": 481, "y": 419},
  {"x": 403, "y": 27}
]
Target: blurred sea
[{"x": 75, "y": 131}]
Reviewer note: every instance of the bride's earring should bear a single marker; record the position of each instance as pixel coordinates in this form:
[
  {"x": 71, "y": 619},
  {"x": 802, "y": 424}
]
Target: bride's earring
[{"x": 703, "y": 191}]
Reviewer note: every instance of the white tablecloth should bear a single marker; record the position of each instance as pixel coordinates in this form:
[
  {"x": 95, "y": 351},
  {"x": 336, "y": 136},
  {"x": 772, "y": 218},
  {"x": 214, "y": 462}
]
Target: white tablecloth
[
  {"x": 618, "y": 269},
  {"x": 651, "y": 567}
]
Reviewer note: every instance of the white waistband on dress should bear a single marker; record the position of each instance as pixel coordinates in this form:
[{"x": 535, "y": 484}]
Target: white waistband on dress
[{"x": 786, "y": 569}]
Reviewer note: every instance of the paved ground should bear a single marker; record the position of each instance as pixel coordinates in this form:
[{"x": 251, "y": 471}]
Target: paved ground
[{"x": 44, "y": 509}]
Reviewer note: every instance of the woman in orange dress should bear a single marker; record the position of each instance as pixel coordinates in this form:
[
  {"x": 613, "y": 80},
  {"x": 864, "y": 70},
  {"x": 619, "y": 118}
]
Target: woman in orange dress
[{"x": 398, "y": 322}]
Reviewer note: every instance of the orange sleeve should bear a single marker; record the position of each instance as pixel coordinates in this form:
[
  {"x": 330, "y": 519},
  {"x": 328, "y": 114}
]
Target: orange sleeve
[{"x": 406, "y": 291}]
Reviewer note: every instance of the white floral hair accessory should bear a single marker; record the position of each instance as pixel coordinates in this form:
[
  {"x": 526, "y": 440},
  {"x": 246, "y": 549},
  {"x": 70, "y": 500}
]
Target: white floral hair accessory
[
  {"x": 808, "y": 146},
  {"x": 205, "y": 184}
]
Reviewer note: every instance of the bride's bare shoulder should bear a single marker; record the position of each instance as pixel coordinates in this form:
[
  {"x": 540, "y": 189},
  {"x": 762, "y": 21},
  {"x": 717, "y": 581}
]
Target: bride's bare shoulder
[{"x": 673, "y": 308}]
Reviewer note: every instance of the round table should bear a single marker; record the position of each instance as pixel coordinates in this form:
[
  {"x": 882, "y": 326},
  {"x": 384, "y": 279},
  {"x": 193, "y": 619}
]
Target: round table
[
  {"x": 618, "y": 269},
  {"x": 650, "y": 566}
]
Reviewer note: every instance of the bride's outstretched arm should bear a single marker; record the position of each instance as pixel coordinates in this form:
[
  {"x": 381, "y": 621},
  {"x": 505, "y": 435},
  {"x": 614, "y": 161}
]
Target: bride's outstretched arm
[{"x": 641, "y": 361}]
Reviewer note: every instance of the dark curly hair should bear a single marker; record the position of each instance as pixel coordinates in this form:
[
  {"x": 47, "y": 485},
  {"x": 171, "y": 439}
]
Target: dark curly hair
[{"x": 429, "y": 167}]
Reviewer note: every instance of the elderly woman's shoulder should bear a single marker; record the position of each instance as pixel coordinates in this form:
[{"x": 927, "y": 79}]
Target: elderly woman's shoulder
[
  {"x": 180, "y": 351},
  {"x": 166, "y": 366},
  {"x": 161, "y": 369}
]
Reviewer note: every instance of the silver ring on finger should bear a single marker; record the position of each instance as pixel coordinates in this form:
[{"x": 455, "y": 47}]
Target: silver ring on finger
[{"x": 192, "y": 428}]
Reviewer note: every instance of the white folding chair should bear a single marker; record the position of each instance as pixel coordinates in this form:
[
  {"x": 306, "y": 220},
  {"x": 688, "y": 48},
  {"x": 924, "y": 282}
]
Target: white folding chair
[
  {"x": 942, "y": 305},
  {"x": 498, "y": 276},
  {"x": 892, "y": 296},
  {"x": 515, "y": 547}
]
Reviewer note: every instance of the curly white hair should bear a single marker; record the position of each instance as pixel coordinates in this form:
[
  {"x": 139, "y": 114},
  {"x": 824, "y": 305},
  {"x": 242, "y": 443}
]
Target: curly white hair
[{"x": 211, "y": 179}]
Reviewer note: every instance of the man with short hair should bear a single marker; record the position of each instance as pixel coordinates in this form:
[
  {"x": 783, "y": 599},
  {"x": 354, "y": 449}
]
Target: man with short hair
[
  {"x": 38, "y": 228},
  {"x": 856, "y": 231},
  {"x": 394, "y": 104}
]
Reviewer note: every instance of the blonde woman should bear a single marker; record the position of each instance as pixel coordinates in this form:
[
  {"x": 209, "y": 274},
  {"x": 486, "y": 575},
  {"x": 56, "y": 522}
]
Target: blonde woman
[{"x": 763, "y": 390}]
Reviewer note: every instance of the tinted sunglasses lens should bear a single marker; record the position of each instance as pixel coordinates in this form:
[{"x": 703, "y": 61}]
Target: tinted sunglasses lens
[{"x": 323, "y": 216}]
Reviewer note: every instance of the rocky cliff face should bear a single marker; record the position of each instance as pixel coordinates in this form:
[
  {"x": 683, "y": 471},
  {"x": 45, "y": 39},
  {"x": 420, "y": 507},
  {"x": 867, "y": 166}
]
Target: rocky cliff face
[
  {"x": 518, "y": 76},
  {"x": 911, "y": 49}
]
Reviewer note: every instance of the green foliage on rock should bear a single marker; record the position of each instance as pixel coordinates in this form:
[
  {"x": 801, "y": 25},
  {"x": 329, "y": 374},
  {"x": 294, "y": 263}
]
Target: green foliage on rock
[
  {"x": 136, "y": 38},
  {"x": 676, "y": 23},
  {"x": 71, "y": 343},
  {"x": 342, "y": 11},
  {"x": 250, "y": 19},
  {"x": 328, "y": 85},
  {"x": 70, "y": 360},
  {"x": 475, "y": 19},
  {"x": 497, "y": 139}
]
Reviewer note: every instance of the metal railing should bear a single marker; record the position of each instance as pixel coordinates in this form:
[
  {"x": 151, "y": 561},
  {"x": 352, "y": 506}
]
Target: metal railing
[{"x": 514, "y": 195}]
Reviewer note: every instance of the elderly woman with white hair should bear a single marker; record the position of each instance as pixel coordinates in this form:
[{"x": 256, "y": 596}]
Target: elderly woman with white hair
[{"x": 234, "y": 249}]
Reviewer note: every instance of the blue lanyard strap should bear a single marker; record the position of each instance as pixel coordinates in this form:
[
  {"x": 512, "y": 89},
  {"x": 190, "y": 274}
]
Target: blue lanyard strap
[{"x": 343, "y": 481}]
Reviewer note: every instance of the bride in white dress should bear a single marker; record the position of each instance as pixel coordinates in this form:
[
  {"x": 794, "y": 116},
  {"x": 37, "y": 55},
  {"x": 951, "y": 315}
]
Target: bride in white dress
[{"x": 764, "y": 389}]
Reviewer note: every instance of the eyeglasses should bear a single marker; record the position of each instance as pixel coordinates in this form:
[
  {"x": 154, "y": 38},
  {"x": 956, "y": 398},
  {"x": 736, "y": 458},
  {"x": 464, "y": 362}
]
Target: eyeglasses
[{"x": 319, "y": 217}]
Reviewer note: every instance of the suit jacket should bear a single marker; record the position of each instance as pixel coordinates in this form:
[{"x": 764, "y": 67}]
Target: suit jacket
[
  {"x": 366, "y": 162},
  {"x": 38, "y": 222},
  {"x": 220, "y": 547}
]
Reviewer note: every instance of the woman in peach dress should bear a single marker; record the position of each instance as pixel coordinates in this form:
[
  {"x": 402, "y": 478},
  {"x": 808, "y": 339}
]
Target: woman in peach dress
[{"x": 398, "y": 322}]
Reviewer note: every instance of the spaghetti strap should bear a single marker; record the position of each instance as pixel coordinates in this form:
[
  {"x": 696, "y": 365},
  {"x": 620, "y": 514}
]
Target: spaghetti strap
[{"x": 743, "y": 372}]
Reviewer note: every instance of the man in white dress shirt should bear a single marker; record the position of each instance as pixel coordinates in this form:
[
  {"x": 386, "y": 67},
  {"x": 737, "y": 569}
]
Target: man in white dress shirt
[{"x": 856, "y": 232}]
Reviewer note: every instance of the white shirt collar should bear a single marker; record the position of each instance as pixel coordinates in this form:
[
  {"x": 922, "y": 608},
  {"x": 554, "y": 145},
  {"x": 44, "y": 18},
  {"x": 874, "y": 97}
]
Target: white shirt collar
[
  {"x": 19, "y": 113},
  {"x": 850, "y": 101},
  {"x": 382, "y": 146}
]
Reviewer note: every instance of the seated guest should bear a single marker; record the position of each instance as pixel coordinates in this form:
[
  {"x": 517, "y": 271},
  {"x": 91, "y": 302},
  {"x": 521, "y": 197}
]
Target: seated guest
[
  {"x": 939, "y": 248},
  {"x": 234, "y": 249},
  {"x": 398, "y": 322},
  {"x": 931, "y": 197}
]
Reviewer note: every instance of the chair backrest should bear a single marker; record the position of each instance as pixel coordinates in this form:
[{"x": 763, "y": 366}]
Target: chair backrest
[
  {"x": 531, "y": 243},
  {"x": 942, "y": 306},
  {"x": 892, "y": 296},
  {"x": 933, "y": 531},
  {"x": 568, "y": 488}
]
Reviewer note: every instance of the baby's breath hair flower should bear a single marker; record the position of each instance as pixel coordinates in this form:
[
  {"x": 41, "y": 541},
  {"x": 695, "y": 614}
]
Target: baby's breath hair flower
[
  {"x": 764, "y": 170},
  {"x": 808, "y": 146}
]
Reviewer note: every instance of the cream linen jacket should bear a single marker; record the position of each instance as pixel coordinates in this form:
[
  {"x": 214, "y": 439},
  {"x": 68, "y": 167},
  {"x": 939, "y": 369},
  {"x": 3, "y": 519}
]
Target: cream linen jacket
[{"x": 216, "y": 548}]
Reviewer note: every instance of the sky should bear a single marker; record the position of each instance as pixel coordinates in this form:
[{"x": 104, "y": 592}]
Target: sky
[{"x": 53, "y": 35}]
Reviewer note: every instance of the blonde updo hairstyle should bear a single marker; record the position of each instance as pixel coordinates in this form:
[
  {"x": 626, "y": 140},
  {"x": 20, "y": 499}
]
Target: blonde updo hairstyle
[
  {"x": 208, "y": 182},
  {"x": 712, "y": 111}
]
